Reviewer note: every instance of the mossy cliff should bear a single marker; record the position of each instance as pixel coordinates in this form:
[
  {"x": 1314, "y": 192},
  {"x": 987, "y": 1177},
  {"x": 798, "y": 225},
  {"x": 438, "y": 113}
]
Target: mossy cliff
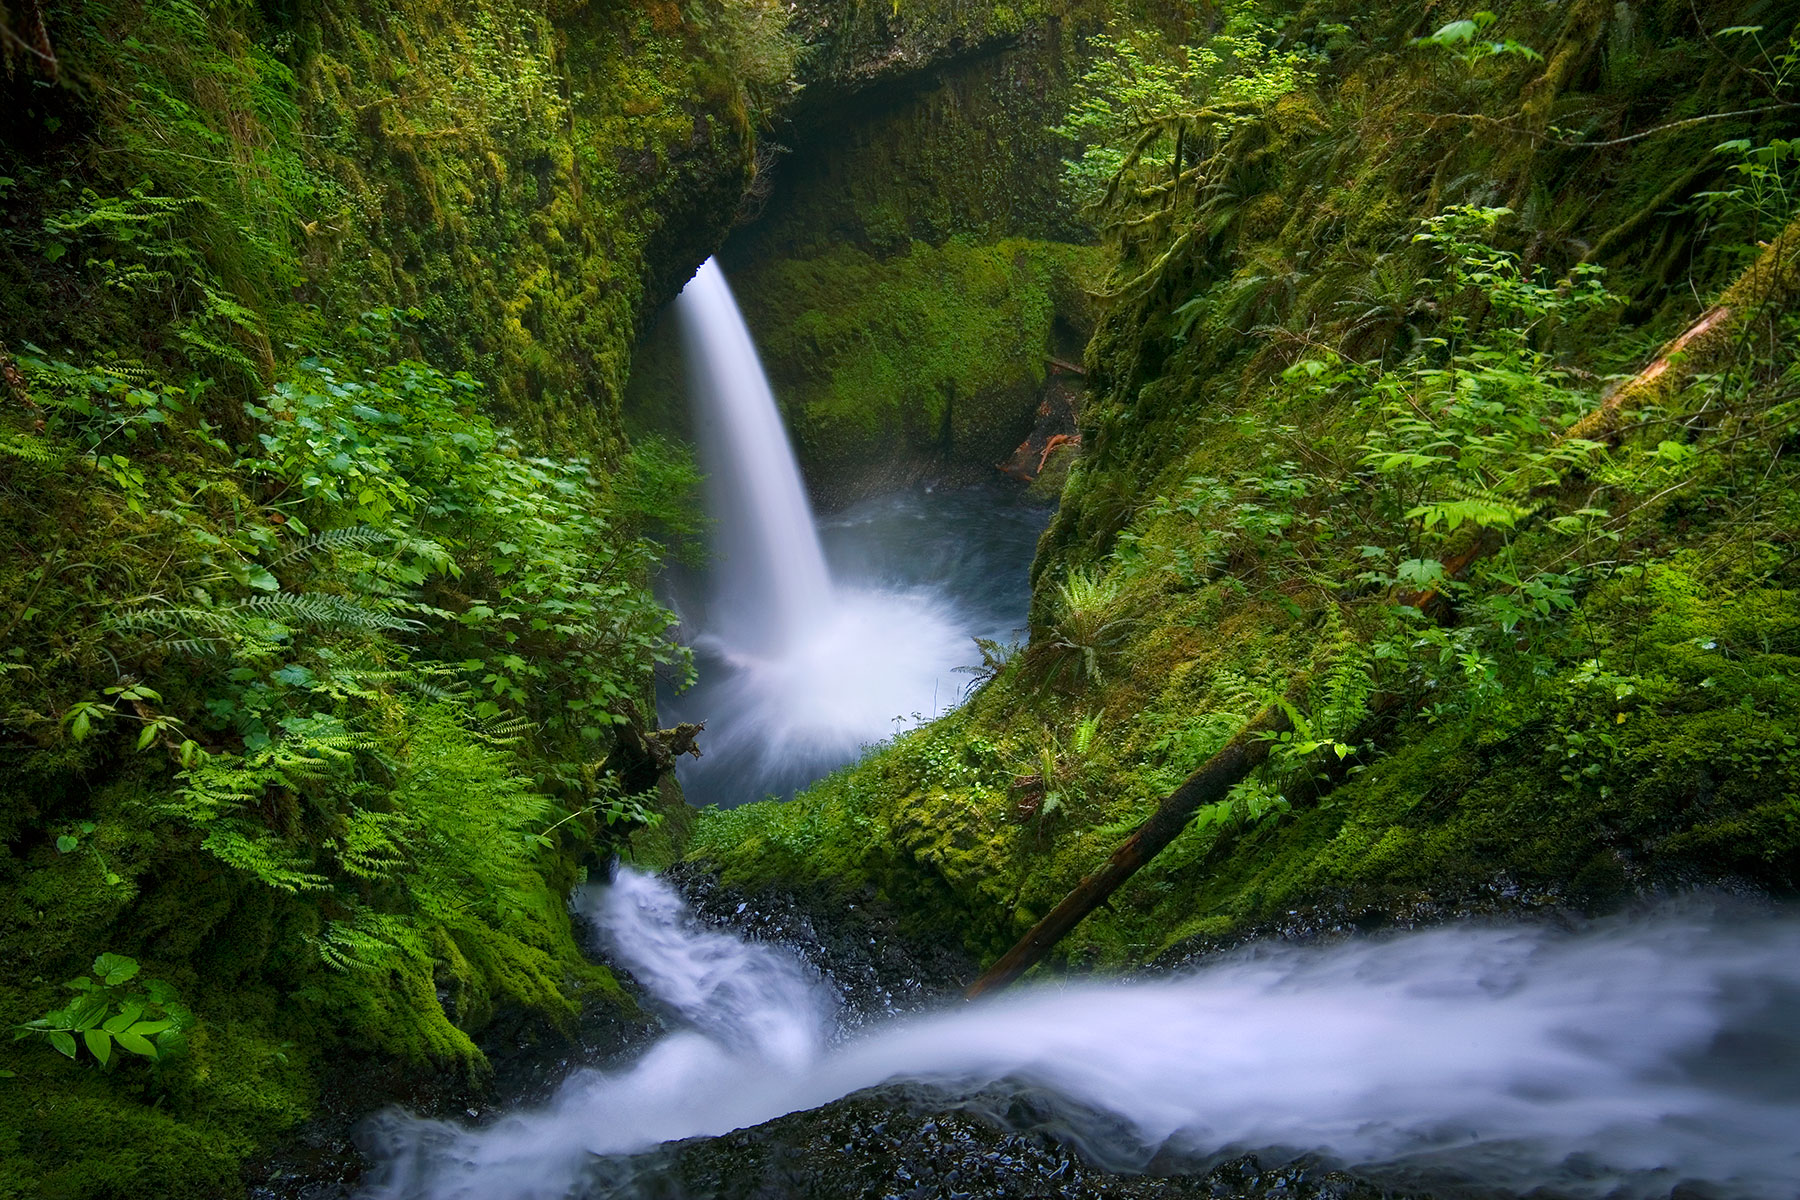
[
  {"x": 313, "y": 330},
  {"x": 905, "y": 262},
  {"x": 526, "y": 179},
  {"x": 1361, "y": 288}
]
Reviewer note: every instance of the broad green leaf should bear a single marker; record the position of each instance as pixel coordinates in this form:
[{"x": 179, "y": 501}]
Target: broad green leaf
[
  {"x": 115, "y": 968},
  {"x": 64, "y": 1043},
  {"x": 99, "y": 1043},
  {"x": 137, "y": 1044},
  {"x": 87, "y": 1012},
  {"x": 150, "y": 1028},
  {"x": 66, "y": 844}
]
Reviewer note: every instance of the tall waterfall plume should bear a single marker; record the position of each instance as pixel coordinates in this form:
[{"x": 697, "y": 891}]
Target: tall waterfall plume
[{"x": 798, "y": 672}]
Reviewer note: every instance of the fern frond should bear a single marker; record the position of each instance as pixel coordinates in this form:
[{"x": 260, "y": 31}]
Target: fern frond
[
  {"x": 350, "y": 537},
  {"x": 202, "y": 626},
  {"x": 362, "y": 944},
  {"x": 313, "y": 610},
  {"x": 30, "y": 449},
  {"x": 272, "y": 862}
]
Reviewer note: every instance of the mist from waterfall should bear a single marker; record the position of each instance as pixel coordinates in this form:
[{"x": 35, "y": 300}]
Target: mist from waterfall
[
  {"x": 798, "y": 672},
  {"x": 1616, "y": 1060}
]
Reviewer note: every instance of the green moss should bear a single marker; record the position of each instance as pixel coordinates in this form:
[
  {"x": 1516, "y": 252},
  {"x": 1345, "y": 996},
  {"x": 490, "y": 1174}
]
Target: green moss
[
  {"x": 509, "y": 176},
  {"x": 937, "y": 353},
  {"x": 1642, "y": 735}
]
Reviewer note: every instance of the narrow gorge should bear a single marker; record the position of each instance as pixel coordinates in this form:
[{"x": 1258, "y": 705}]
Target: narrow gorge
[{"x": 723, "y": 599}]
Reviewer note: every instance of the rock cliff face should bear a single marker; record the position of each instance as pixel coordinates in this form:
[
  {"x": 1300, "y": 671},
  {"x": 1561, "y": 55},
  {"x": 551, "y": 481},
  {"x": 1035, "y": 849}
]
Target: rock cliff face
[
  {"x": 523, "y": 181},
  {"x": 906, "y": 261}
]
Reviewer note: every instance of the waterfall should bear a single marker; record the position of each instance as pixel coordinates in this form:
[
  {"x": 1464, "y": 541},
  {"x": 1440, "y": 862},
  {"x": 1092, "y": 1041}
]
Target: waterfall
[
  {"x": 770, "y": 582},
  {"x": 798, "y": 674},
  {"x": 1613, "y": 1061}
]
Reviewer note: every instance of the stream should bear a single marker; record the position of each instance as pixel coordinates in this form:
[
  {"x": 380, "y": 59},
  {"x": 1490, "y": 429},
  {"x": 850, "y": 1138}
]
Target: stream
[
  {"x": 1639, "y": 1056},
  {"x": 1619, "y": 1058}
]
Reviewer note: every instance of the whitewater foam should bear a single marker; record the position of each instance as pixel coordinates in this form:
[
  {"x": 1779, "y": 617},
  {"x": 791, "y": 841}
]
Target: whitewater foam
[{"x": 1616, "y": 1060}]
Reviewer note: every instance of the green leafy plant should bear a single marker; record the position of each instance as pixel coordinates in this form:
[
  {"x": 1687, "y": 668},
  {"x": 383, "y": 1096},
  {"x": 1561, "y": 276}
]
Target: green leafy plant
[
  {"x": 114, "y": 1007},
  {"x": 1463, "y": 39},
  {"x": 1087, "y": 626}
]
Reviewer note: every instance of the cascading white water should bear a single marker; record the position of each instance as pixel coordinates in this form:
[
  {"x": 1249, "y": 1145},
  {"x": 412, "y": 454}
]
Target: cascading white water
[
  {"x": 770, "y": 581},
  {"x": 798, "y": 674},
  {"x": 1614, "y": 1061}
]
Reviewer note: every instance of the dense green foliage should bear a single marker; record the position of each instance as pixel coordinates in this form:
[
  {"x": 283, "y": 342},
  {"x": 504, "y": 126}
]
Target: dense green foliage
[
  {"x": 358, "y": 681},
  {"x": 1328, "y": 401},
  {"x": 324, "y": 595}
]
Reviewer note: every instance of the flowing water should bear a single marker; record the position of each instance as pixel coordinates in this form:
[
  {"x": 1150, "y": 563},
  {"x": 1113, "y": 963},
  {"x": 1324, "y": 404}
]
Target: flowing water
[
  {"x": 802, "y": 665},
  {"x": 1616, "y": 1060},
  {"x": 1620, "y": 1060}
]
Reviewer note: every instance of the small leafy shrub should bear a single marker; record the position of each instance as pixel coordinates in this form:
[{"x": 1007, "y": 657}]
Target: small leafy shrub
[
  {"x": 1467, "y": 41},
  {"x": 114, "y": 1007}
]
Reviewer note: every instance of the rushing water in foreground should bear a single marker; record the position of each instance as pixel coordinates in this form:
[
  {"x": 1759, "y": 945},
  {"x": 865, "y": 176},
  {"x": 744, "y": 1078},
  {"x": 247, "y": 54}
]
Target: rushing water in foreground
[
  {"x": 1618, "y": 1060},
  {"x": 801, "y": 664}
]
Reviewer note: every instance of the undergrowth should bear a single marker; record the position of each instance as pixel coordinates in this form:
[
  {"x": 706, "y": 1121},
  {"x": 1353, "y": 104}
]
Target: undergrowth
[{"x": 1329, "y": 403}]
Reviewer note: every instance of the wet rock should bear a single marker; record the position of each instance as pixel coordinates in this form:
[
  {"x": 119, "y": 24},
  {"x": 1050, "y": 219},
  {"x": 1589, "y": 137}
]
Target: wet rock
[
  {"x": 855, "y": 945},
  {"x": 914, "y": 1143}
]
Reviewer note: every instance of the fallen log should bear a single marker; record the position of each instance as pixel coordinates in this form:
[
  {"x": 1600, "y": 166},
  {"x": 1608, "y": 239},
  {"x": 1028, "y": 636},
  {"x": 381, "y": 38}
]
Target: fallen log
[
  {"x": 1208, "y": 785},
  {"x": 1706, "y": 344}
]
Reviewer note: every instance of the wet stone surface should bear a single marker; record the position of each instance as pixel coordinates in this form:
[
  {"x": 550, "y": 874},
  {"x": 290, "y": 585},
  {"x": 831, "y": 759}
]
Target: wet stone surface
[
  {"x": 853, "y": 943},
  {"x": 906, "y": 1143}
]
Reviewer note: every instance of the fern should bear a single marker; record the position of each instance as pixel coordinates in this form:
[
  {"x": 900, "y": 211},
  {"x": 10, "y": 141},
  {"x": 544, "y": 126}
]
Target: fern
[
  {"x": 364, "y": 943},
  {"x": 370, "y": 846},
  {"x": 349, "y": 537},
  {"x": 260, "y": 617},
  {"x": 319, "y": 611},
  {"x": 276, "y": 863},
  {"x": 32, "y": 450},
  {"x": 1348, "y": 684}
]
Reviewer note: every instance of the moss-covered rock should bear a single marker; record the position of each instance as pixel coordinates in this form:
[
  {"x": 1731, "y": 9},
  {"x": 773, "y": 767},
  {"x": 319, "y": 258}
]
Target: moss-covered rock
[
  {"x": 906, "y": 263},
  {"x": 526, "y": 182},
  {"x": 935, "y": 355}
]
